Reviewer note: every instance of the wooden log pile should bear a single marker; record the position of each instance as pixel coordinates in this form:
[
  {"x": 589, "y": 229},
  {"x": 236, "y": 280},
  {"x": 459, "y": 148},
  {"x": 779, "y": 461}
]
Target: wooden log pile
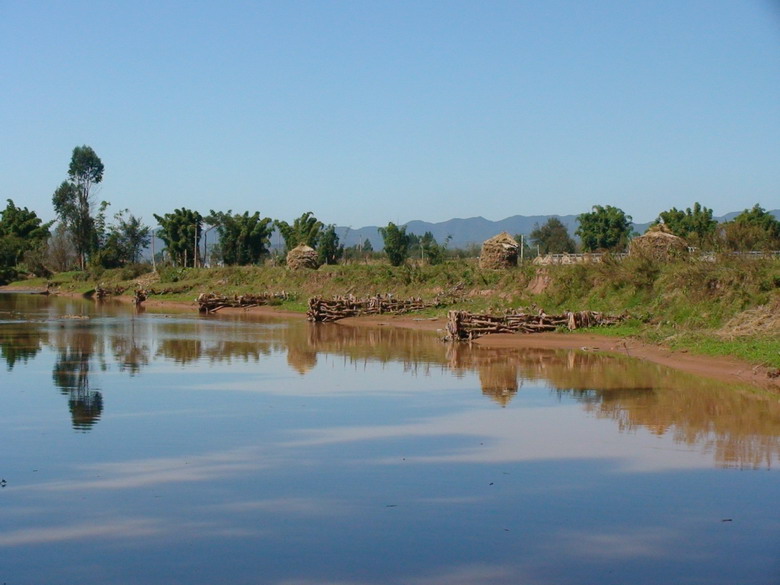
[
  {"x": 140, "y": 296},
  {"x": 465, "y": 326},
  {"x": 103, "y": 291},
  {"x": 341, "y": 307},
  {"x": 211, "y": 302}
]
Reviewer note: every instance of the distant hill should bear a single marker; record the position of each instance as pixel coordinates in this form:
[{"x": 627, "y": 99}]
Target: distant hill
[
  {"x": 475, "y": 230},
  {"x": 464, "y": 232}
]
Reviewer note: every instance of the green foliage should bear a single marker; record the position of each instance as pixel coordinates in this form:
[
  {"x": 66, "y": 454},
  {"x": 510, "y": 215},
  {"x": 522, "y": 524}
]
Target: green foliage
[
  {"x": 396, "y": 243},
  {"x": 132, "y": 235},
  {"x": 120, "y": 243},
  {"x": 244, "y": 239},
  {"x": 427, "y": 248},
  {"x": 694, "y": 225},
  {"x": 329, "y": 251},
  {"x": 604, "y": 228},
  {"x": 753, "y": 229},
  {"x": 181, "y": 231},
  {"x": 21, "y": 232},
  {"x": 305, "y": 230},
  {"x": 73, "y": 200},
  {"x": 553, "y": 238}
]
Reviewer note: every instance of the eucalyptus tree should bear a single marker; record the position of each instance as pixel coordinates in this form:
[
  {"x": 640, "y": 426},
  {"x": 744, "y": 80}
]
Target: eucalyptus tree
[
  {"x": 73, "y": 200},
  {"x": 244, "y": 239},
  {"x": 181, "y": 231}
]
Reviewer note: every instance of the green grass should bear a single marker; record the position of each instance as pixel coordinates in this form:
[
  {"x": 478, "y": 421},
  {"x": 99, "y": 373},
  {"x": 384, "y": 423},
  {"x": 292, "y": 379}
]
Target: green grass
[{"x": 681, "y": 303}]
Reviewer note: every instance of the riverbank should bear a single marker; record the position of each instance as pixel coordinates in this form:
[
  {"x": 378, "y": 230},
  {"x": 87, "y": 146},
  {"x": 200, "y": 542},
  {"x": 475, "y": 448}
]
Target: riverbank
[{"x": 719, "y": 319}]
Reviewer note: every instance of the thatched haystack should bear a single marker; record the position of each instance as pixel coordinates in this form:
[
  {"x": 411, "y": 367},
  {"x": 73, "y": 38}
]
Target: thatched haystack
[
  {"x": 499, "y": 252},
  {"x": 660, "y": 243},
  {"x": 302, "y": 257}
]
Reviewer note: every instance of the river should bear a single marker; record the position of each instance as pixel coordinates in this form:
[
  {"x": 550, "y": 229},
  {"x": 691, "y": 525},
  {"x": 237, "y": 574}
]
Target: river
[{"x": 151, "y": 447}]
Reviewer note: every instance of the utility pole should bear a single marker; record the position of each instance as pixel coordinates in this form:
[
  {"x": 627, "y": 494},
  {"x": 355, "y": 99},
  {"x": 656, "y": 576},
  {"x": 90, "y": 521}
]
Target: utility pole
[{"x": 522, "y": 248}]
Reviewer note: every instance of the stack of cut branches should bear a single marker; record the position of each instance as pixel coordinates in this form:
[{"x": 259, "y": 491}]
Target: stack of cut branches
[
  {"x": 211, "y": 302},
  {"x": 140, "y": 296},
  {"x": 463, "y": 326},
  {"x": 340, "y": 307},
  {"x": 102, "y": 291}
]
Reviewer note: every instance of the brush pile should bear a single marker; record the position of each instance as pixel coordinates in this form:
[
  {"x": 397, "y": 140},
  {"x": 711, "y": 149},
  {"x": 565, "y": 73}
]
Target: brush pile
[
  {"x": 341, "y": 307},
  {"x": 140, "y": 296},
  {"x": 659, "y": 243},
  {"x": 211, "y": 302},
  {"x": 465, "y": 326},
  {"x": 499, "y": 252},
  {"x": 302, "y": 257},
  {"x": 103, "y": 291}
]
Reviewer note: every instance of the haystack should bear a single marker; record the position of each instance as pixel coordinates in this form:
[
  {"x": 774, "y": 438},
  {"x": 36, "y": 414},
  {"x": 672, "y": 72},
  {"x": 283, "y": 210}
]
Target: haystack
[
  {"x": 302, "y": 257},
  {"x": 659, "y": 243},
  {"x": 499, "y": 252}
]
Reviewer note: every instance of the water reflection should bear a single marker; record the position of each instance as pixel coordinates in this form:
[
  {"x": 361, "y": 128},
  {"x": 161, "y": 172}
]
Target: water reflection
[
  {"x": 740, "y": 428},
  {"x": 75, "y": 348},
  {"x": 20, "y": 342}
]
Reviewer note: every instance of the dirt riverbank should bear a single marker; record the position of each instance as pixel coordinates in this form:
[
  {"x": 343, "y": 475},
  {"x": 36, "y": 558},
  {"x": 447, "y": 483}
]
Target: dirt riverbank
[{"x": 719, "y": 368}]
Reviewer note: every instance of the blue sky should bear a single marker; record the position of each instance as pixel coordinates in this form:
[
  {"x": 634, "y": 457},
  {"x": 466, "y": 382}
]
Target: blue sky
[{"x": 366, "y": 112}]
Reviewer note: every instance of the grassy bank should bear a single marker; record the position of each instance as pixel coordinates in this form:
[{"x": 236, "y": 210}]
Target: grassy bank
[{"x": 728, "y": 307}]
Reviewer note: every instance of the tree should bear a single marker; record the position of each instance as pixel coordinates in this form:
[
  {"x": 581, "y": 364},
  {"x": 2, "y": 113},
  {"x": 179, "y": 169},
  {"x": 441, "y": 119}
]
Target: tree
[
  {"x": 73, "y": 200},
  {"x": 396, "y": 243},
  {"x": 427, "y": 248},
  {"x": 244, "y": 239},
  {"x": 132, "y": 234},
  {"x": 60, "y": 252},
  {"x": 695, "y": 225},
  {"x": 753, "y": 229},
  {"x": 122, "y": 242},
  {"x": 604, "y": 228},
  {"x": 20, "y": 230},
  {"x": 329, "y": 251},
  {"x": 305, "y": 230},
  {"x": 181, "y": 231},
  {"x": 553, "y": 238},
  {"x": 367, "y": 247}
]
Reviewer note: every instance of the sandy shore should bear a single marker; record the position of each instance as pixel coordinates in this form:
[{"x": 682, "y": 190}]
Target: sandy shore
[{"x": 719, "y": 368}]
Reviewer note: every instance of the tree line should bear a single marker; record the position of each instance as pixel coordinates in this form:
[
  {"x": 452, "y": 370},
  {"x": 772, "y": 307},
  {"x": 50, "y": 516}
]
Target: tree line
[{"x": 83, "y": 238}]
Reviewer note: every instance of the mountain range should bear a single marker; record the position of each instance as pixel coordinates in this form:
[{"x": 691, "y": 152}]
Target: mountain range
[{"x": 475, "y": 230}]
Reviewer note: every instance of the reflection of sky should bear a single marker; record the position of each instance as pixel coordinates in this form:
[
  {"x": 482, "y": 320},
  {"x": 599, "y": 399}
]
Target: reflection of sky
[{"x": 358, "y": 472}]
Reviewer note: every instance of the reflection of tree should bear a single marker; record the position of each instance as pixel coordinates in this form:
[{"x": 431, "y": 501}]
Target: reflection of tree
[
  {"x": 71, "y": 376},
  {"x": 129, "y": 353},
  {"x": 182, "y": 351},
  {"x": 499, "y": 380},
  {"x": 741, "y": 428},
  {"x": 301, "y": 352},
  {"x": 20, "y": 343}
]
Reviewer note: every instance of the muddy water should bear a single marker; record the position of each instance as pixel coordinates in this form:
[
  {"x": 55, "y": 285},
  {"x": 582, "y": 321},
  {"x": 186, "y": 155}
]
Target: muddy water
[{"x": 170, "y": 448}]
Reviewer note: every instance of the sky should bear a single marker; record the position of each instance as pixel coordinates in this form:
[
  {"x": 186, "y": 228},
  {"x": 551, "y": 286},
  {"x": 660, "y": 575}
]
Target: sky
[{"x": 366, "y": 112}]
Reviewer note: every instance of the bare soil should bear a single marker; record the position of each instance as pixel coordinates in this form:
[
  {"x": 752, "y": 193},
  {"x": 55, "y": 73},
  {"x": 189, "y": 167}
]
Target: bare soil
[{"x": 720, "y": 368}]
